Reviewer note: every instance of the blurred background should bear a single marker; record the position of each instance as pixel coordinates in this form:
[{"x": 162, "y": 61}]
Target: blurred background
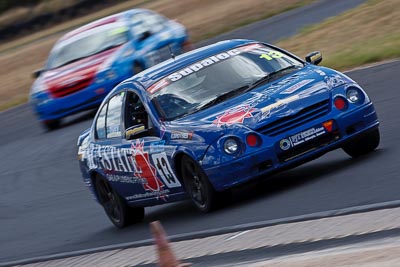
[
  {"x": 44, "y": 206},
  {"x": 29, "y": 28}
]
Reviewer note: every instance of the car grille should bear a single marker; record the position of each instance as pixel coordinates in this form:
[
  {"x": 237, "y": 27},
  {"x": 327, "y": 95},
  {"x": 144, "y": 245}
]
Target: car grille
[
  {"x": 289, "y": 122},
  {"x": 67, "y": 90}
]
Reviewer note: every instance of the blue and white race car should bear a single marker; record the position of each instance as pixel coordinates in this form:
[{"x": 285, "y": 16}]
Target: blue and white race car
[
  {"x": 88, "y": 62},
  {"x": 206, "y": 121}
]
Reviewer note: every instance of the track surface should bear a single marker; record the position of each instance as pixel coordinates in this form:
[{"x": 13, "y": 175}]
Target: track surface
[{"x": 45, "y": 208}]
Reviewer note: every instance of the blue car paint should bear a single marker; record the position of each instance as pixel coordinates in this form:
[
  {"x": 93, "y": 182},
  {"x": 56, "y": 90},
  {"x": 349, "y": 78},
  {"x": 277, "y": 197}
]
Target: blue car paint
[
  {"x": 208, "y": 131},
  {"x": 49, "y": 108}
]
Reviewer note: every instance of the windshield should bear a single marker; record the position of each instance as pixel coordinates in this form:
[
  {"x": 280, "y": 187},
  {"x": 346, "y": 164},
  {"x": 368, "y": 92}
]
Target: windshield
[
  {"x": 218, "y": 78},
  {"x": 84, "y": 45}
]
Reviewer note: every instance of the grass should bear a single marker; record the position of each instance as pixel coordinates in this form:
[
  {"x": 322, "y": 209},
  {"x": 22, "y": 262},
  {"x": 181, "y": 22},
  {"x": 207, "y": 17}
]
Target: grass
[
  {"x": 203, "y": 18},
  {"x": 366, "y": 34}
]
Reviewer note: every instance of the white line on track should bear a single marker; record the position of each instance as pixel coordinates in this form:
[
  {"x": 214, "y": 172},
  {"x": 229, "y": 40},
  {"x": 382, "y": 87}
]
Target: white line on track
[{"x": 237, "y": 235}]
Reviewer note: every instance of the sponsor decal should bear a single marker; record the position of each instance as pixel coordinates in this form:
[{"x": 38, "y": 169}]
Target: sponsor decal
[
  {"x": 296, "y": 87},
  {"x": 181, "y": 135},
  {"x": 266, "y": 111},
  {"x": 176, "y": 76},
  {"x": 302, "y": 137},
  {"x": 113, "y": 131},
  {"x": 335, "y": 80},
  {"x": 237, "y": 114},
  {"x": 159, "y": 194},
  {"x": 274, "y": 88},
  {"x": 234, "y": 115},
  {"x": 145, "y": 169},
  {"x": 157, "y": 147},
  {"x": 125, "y": 179},
  {"x": 109, "y": 158},
  {"x": 320, "y": 72},
  {"x": 204, "y": 63},
  {"x": 284, "y": 144},
  {"x": 153, "y": 177}
]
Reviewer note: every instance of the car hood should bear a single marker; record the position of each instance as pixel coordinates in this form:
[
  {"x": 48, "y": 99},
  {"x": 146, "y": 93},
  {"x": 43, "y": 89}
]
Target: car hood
[
  {"x": 79, "y": 73},
  {"x": 305, "y": 88}
]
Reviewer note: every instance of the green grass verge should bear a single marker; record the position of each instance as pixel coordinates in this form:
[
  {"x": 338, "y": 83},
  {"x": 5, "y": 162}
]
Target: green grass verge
[{"x": 366, "y": 34}]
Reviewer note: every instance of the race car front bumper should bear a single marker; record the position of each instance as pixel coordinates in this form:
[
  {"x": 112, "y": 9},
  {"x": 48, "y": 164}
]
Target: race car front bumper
[{"x": 269, "y": 158}]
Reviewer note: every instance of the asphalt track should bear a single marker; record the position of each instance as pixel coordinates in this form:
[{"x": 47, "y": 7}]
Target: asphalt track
[{"x": 45, "y": 208}]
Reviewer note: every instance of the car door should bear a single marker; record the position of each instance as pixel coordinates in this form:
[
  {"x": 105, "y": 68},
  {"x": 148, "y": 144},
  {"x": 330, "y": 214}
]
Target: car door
[{"x": 152, "y": 176}]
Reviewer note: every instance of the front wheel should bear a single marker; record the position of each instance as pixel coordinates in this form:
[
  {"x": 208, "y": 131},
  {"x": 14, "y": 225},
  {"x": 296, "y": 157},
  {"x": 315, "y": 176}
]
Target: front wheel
[
  {"x": 51, "y": 125},
  {"x": 120, "y": 214},
  {"x": 198, "y": 187},
  {"x": 363, "y": 145}
]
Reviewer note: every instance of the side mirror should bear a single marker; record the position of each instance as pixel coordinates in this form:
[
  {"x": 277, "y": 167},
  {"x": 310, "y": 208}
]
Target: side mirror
[
  {"x": 314, "y": 57},
  {"x": 144, "y": 36},
  {"x": 37, "y": 73},
  {"x": 134, "y": 130}
]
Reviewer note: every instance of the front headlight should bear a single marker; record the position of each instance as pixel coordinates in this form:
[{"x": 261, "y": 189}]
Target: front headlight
[
  {"x": 354, "y": 95},
  {"x": 38, "y": 88},
  {"x": 231, "y": 146}
]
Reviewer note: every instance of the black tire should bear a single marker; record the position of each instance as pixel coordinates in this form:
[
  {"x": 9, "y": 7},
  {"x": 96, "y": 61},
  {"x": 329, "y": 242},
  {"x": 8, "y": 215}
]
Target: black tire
[
  {"x": 199, "y": 188},
  {"x": 119, "y": 213},
  {"x": 51, "y": 125},
  {"x": 363, "y": 145}
]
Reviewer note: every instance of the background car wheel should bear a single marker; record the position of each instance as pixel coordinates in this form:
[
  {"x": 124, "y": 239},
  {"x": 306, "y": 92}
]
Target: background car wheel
[
  {"x": 363, "y": 145},
  {"x": 51, "y": 125},
  {"x": 120, "y": 214},
  {"x": 198, "y": 187}
]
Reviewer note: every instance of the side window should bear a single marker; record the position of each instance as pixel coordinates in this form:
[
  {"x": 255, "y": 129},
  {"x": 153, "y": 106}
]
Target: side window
[
  {"x": 147, "y": 22},
  {"x": 154, "y": 22},
  {"x": 135, "y": 113},
  {"x": 113, "y": 120},
  {"x": 138, "y": 25},
  {"x": 101, "y": 123}
]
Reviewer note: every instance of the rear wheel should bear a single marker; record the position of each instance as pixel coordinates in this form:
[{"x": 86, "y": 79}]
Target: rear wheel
[
  {"x": 363, "y": 145},
  {"x": 199, "y": 188},
  {"x": 120, "y": 213}
]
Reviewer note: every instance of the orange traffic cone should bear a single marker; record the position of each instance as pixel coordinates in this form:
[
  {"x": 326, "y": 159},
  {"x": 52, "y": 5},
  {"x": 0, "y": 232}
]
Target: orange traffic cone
[{"x": 166, "y": 257}]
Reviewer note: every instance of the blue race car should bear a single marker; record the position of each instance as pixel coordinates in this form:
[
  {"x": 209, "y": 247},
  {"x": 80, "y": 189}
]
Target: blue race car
[
  {"x": 87, "y": 63},
  {"x": 204, "y": 122}
]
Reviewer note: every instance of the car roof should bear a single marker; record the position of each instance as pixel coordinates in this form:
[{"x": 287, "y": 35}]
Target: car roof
[
  {"x": 115, "y": 18},
  {"x": 151, "y": 75}
]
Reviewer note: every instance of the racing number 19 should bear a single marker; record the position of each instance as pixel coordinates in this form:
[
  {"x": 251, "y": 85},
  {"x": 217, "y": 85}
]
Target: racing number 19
[{"x": 164, "y": 170}]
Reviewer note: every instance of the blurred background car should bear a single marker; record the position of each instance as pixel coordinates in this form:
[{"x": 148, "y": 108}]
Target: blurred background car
[{"x": 86, "y": 63}]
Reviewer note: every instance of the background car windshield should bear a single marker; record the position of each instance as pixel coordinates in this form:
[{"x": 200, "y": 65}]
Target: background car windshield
[
  {"x": 87, "y": 44},
  {"x": 194, "y": 91}
]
